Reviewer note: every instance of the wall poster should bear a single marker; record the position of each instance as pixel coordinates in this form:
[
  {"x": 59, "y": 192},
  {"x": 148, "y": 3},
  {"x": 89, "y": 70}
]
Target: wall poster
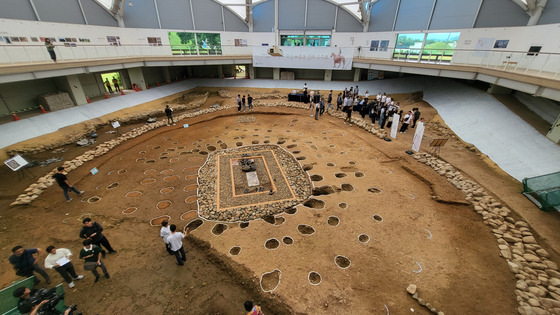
[
  {"x": 303, "y": 57},
  {"x": 501, "y": 43}
]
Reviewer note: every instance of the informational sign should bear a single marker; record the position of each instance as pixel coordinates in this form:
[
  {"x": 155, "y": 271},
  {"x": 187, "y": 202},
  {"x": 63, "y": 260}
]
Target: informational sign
[
  {"x": 186, "y": 126},
  {"x": 16, "y": 162},
  {"x": 418, "y": 135},
  {"x": 115, "y": 124},
  {"x": 94, "y": 171},
  {"x": 483, "y": 44},
  {"x": 303, "y": 57},
  {"x": 395, "y": 126}
]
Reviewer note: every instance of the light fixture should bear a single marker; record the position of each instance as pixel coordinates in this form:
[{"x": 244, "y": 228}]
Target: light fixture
[{"x": 130, "y": 4}]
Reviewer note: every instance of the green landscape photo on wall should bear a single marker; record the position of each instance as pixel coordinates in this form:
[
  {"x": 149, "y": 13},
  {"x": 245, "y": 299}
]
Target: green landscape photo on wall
[
  {"x": 189, "y": 43},
  {"x": 209, "y": 43}
]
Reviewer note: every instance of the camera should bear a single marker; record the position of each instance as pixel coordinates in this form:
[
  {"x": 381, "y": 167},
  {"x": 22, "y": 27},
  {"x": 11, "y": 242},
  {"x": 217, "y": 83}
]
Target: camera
[{"x": 53, "y": 298}]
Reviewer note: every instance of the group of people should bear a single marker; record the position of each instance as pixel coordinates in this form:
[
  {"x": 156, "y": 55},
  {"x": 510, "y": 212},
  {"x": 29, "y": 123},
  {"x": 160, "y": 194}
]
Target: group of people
[
  {"x": 241, "y": 103},
  {"x": 115, "y": 83},
  {"x": 26, "y": 261}
]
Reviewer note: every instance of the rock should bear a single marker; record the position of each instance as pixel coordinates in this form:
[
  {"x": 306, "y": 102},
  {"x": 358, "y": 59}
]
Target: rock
[
  {"x": 550, "y": 303},
  {"x": 543, "y": 253},
  {"x": 554, "y": 282},
  {"x": 529, "y": 240},
  {"x": 531, "y": 258},
  {"x": 411, "y": 289},
  {"x": 553, "y": 273},
  {"x": 525, "y": 310},
  {"x": 513, "y": 267},
  {"x": 421, "y": 301},
  {"x": 533, "y": 302},
  {"x": 522, "y": 285}
]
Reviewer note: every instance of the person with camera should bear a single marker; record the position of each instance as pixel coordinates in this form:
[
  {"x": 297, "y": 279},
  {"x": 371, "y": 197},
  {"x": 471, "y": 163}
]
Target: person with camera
[
  {"x": 59, "y": 260},
  {"x": 25, "y": 263},
  {"x": 39, "y": 302}
]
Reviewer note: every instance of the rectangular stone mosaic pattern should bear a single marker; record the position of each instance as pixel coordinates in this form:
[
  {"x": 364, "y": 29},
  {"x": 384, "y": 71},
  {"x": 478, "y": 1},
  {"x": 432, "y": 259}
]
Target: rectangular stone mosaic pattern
[{"x": 232, "y": 181}]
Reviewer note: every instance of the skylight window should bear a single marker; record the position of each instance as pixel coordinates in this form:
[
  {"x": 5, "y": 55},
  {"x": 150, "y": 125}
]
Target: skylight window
[{"x": 106, "y": 3}]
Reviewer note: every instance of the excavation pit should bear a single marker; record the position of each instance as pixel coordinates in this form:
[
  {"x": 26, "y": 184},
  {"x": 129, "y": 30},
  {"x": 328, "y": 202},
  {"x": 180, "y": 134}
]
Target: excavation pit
[
  {"x": 287, "y": 240},
  {"x": 342, "y": 262},
  {"x": 234, "y": 251},
  {"x": 163, "y": 204},
  {"x": 347, "y": 187},
  {"x": 323, "y": 190},
  {"x": 314, "y": 204},
  {"x": 193, "y": 225},
  {"x": 333, "y": 221},
  {"x": 316, "y": 178},
  {"x": 306, "y": 229},
  {"x": 219, "y": 228},
  {"x": 314, "y": 278},
  {"x": 272, "y": 244}
]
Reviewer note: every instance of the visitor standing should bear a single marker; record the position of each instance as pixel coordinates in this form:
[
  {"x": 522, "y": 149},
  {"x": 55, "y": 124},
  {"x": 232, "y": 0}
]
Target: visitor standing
[
  {"x": 250, "y": 102},
  {"x": 116, "y": 84},
  {"x": 93, "y": 231},
  {"x": 416, "y": 117},
  {"x": 50, "y": 48},
  {"x": 329, "y": 101},
  {"x": 243, "y": 102},
  {"x": 175, "y": 241},
  {"x": 169, "y": 114},
  {"x": 406, "y": 121},
  {"x": 238, "y": 102},
  {"x": 25, "y": 263},
  {"x": 63, "y": 182},
  {"x": 108, "y": 85},
  {"x": 164, "y": 233},
  {"x": 59, "y": 260},
  {"x": 339, "y": 101}
]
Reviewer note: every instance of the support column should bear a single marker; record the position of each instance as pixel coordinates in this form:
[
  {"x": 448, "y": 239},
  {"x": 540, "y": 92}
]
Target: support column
[
  {"x": 220, "y": 71},
  {"x": 328, "y": 75},
  {"x": 357, "y": 72},
  {"x": 251, "y": 71},
  {"x": 276, "y": 74},
  {"x": 137, "y": 77},
  {"x": 71, "y": 85},
  {"x": 166, "y": 76},
  {"x": 189, "y": 72}
]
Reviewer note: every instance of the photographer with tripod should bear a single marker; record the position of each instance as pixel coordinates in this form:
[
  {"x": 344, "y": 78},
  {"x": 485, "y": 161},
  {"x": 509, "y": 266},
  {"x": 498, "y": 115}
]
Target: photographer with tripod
[{"x": 40, "y": 302}]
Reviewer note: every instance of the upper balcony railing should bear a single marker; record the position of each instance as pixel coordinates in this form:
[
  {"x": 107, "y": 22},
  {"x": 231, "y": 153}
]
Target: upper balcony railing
[{"x": 537, "y": 64}]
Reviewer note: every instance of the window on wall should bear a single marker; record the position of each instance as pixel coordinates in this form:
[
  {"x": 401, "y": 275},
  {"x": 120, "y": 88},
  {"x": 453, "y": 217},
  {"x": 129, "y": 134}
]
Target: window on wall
[
  {"x": 291, "y": 40},
  {"x": 440, "y": 46},
  {"x": 408, "y": 46},
  {"x": 318, "y": 40}
]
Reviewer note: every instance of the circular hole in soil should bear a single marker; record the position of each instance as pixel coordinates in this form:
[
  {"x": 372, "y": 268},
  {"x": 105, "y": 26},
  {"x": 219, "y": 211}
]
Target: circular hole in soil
[
  {"x": 330, "y": 164},
  {"x": 235, "y": 250},
  {"x": 142, "y": 152},
  {"x": 266, "y": 141},
  {"x": 363, "y": 238},
  {"x": 314, "y": 278},
  {"x": 347, "y": 187},
  {"x": 342, "y": 153},
  {"x": 166, "y": 190},
  {"x": 184, "y": 152},
  {"x": 239, "y": 143},
  {"x": 195, "y": 150},
  {"x": 166, "y": 172},
  {"x": 343, "y": 205},
  {"x": 181, "y": 147},
  {"x": 157, "y": 221},
  {"x": 211, "y": 148},
  {"x": 291, "y": 210},
  {"x": 223, "y": 146},
  {"x": 243, "y": 225},
  {"x": 132, "y": 194},
  {"x": 319, "y": 156},
  {"x": 374, "y": 190},
  {"x": 314, "y": 203},
  {"x": 323, "y": 190},
  {"x": 270, "y": 280},
  {"x": 269, "y": 219},
  {"x": 291, "y": 146},
  {"x": 219, "y": 228},
  {"x": 280, "y": 141},
  {"x": 163, "y": 157},
  {"x": 171, "y": 178},
  {"x": 164, "y": 153},
  {"x": 94, "y": 199},
  {"x": 191, "y": 199},
  {"x": 333, "y": 221},
  {"x": 340, "y": 175},
  {"x": 163, "y": 204},
  {"x": 359, "y": 174},
  {"x": 140, "y": 159},
  {"x": 150, "y": 161},
  {"x": 316, "y": 178},
  {"x": 203, "y": 153},
  {"x": 113, "y": 185},
  {"x": 301, "y": 158},
  {"x": 306, "y": 229},
  {"x": 342, "y": 262},
  {"x": 307, "y": 167},
  {"x": 156, "y": 147},
  {"x": 150, "y": 172},
  {"x": 351, "y": 162},
  {"x": 287, "y": 240},
  {"x": 279, "y": 221},
  {"x": 332, "y": 146},
  {"x": 190, "y": 188},
  {"x": 193, "y": 225},
  {"x": 313, "y": 147},
  {"x": 191, "y": 177},
  {"x": 148, "y": 181},
  {"x": 129, "y": 210},
  {"x": 272, "y": 243},
  {"x": 255, "y": 142},
  {"x": 377, "y": 218},
  {"x": 296, "y": 152},
  {"x": 173, "y": 160},
  {"x": 189, "y": 215}
]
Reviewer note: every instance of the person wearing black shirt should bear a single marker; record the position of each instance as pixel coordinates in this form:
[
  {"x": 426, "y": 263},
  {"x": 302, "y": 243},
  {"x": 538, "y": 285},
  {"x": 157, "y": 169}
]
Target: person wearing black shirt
[
  {"x": 169, "y": 113},
  {"x": 27, "y": 303},
  {"x": 25, "y": 263},
  {"x": 62, "y": 181},
  {"x": 93, "y": 231}
]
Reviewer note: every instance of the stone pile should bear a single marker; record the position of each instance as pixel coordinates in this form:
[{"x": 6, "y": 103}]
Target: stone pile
[
  {"x": 411, "y": 289},
  {"x": 538, "y": 279}
]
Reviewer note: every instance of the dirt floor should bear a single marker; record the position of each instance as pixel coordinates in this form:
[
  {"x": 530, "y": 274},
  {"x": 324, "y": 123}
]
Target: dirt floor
[{"x": 351, "y": 251}]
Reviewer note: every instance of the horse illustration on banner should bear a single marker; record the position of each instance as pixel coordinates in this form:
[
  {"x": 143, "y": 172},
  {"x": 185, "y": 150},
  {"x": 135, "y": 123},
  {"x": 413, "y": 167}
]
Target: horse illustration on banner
[{"x": 338, "y": 60}]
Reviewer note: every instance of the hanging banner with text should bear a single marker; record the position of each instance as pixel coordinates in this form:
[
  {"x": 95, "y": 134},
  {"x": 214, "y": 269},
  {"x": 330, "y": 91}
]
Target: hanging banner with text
[{"x": 303, "y": 57}]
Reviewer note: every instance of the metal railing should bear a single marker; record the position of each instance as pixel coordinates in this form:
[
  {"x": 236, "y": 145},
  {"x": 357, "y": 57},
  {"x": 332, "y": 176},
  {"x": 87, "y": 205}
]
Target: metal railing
[{"x": 540, "y": 64}]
